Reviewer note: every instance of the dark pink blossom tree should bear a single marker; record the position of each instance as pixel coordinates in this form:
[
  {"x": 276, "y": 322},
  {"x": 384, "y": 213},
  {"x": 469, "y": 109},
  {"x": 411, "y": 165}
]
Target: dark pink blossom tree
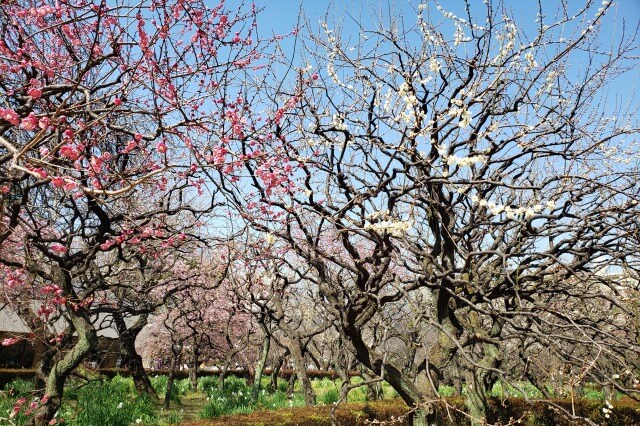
[{"x": 100, "y": 105}]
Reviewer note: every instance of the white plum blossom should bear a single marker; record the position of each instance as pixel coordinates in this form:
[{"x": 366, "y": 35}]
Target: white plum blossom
[
  {"x": 454, "y": 160},
  {"x": 434, "y": 65},
  {"x": 465, "y": 119},
  {"x": 396, "y": 228}
]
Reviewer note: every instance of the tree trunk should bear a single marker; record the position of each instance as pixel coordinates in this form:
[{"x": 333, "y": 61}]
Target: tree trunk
[
  {"x": 475, "y": 398},
  {"x": 297, "y": 358},
  {"x": 424, "y": 414},
  {"x": 60, "y": 370},
  {"x": 479, "y": 378},
  {"x": 276, "y": 372},
  {"x": 291, "y": 383},
  {"x": 193, "y": 370},
  {"x": 140, "y": 377},
  {"x": 133, "y": 360},
  {"x": 249, "y": 374},
  {"x": 294, "y": 345},
  {"x": 172, "y": 375},
  {"x": 374, "y": 390},
  {"x": 343, "y": 372},
  {"x": 44, "y": 350},
  {"x": 262, "y": 360},
  {"x": 44, "y": 368},
  {"x": 223, "y": 373}
]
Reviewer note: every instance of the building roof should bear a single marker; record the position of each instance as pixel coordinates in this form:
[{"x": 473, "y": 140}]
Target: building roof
[{"x": 10, "y": 322}]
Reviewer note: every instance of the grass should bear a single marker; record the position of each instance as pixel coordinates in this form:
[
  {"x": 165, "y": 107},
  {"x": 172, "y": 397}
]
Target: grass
[
  {"x": 14, "y": 391},
  {"x": 180, "y": 387},
  {"x": 109, "y": 403},
  {"x": 236, "y": 395}
]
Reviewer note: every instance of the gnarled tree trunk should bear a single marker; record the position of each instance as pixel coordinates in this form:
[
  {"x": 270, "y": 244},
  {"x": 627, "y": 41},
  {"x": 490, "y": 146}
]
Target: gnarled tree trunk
[
  {"x": 60, "y": 370},
  {"x": 133, "y": 360},
  {"x": 297, "y": 358},
  {"x": 479, "y": 379},
  {"x": 422, "y": 414}
]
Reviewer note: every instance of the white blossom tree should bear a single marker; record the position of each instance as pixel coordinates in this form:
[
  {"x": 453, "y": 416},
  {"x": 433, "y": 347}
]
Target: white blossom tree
[{"x": 479, "y": 160}]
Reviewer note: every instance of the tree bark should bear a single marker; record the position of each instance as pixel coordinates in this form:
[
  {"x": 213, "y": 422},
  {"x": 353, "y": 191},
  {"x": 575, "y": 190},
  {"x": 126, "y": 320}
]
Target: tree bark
[
  {"x": 262, "y": 360},
  {"x": 172, "y": 375},
  {"x": 60, "y": 370},
  {"x": 422, "y": 415},
  {"x": 374, "y": 390},
  {"x": 291, "y": 383},
  {"x": 479, "y": 378},
  {"x": 193, "y": 370},
  {"x": 133, "y": 360},
  {"x": 297, "y": 358},
  {"x": 276, "y": 372},
  {"x": 223, "y": 373}
]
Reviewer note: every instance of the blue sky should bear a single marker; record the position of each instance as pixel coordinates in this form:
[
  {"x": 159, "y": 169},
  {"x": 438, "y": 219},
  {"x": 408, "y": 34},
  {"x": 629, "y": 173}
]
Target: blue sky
[
  {"x": 280, "y": 16},
  {"x": 283, "y": 14}
]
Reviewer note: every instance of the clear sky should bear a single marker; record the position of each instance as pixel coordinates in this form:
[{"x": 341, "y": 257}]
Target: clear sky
[{"x": 281, "y": 16}]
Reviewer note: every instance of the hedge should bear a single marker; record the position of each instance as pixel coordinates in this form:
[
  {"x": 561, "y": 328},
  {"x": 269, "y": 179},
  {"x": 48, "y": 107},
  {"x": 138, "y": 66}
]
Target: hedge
[
  {"x": 7, "y": 375},
  {"x": 501, "y": 411},
  {"x": 346, "y": 414}
]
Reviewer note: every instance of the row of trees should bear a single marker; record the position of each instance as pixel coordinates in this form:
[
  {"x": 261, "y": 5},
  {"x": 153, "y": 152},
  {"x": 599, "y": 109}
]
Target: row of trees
[{"x": 438, "y": 198}]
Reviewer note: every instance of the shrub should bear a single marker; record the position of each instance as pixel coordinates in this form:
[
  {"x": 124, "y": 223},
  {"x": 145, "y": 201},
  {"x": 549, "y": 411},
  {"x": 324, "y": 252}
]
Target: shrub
[
  {"x": 272, "y": 401},
  {"x": 591, "y": 392},
  {"x": 182, "y": 386},
  {"x": 123, "y": 383},
  {"x": 242, "y": 409},
  {"x": 213, "y": 408},
  {"x": 233, "y": 384},
  {"x": 521, "y": 390},
  {"x": 282, "y": 385},
  {"x": 388, "y": 392}
]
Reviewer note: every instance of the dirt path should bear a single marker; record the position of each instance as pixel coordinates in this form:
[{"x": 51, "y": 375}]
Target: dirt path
[{"x": 190, "y": 406}]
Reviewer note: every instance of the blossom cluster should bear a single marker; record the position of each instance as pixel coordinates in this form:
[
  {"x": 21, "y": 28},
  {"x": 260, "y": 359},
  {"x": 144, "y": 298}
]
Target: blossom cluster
[{"x": 391, "y": 226}]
